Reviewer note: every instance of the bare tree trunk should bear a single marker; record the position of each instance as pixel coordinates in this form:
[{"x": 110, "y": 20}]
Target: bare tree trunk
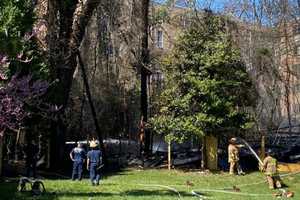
[
  {"x": 263, "y": 146},
  {"x": 144, "y": 71},
  {"x": 169, "y": 155},
  {"x": 1, "y": 154},
  {"x": 287, "y": 79},
  {"x": 203, "y": 153}
]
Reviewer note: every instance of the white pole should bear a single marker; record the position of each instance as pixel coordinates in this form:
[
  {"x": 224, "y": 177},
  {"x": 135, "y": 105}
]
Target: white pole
[{"x": 169, "y": 155}]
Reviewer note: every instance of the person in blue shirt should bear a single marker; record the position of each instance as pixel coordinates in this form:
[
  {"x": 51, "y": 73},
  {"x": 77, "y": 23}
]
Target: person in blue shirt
[
  {"x": 77, "y": 155},
  {"x": 94, "y": 161}
]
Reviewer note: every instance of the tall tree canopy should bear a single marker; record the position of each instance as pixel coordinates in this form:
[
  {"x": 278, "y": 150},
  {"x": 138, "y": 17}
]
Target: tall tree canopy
[
  {"x": 207, "y": 87},
  {"x": 19, "y": 52},
  {"x": 21, "y": 68}
]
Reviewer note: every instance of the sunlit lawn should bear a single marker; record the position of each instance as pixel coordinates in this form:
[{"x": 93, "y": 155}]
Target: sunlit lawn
[{"x": 157, "y": 184}]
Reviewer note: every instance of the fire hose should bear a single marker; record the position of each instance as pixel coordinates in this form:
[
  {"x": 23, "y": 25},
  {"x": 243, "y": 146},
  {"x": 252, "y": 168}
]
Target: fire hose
[{"x": 217, "y": 190}]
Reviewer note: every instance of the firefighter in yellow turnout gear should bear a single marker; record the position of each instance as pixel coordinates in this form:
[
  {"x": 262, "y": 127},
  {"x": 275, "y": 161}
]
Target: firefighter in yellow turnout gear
[
  {"x": 233, "y": 157},
  {"x": 270, "y": 169}
]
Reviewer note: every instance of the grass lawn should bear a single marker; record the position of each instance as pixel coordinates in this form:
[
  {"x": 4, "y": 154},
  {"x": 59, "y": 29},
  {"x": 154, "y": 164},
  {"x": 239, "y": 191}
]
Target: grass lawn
[{"x": 157, "y": 184}]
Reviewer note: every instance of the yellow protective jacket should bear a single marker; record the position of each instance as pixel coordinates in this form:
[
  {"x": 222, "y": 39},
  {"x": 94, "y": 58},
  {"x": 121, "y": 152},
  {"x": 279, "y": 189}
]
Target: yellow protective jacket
[
  {"x": 233, "y": 153},
  {"x": 270, "y": 166}
]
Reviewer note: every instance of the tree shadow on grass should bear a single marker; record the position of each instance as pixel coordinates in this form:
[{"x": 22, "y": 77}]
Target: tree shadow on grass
[
  {"x": 85, "y": 194},
  {"x": 155, "y": 193},
  {"x": 29, "y": 196},
  {"x": 8, "y": 191},
  {"x": 66, "y": 175},
  {"x": 132, "y": 193}
]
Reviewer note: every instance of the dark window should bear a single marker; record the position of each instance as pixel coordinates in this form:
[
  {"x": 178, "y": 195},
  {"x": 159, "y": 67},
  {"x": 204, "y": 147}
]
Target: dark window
[
  {"x": 296, "y": 69},
  {"x": 297, "y": 50},
  {"x": 297, "y": 29},
  {"x": 297, "y": 86},
  {"x": 109, "y": 50},
  {"x": 183, "y": 21},
  {"x": 159, "y": 39}
]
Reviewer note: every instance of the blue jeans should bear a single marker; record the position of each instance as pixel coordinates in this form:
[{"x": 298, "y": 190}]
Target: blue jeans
[
  {"x": 94, "y": 174},
  {"x": 77, "y": 170}
]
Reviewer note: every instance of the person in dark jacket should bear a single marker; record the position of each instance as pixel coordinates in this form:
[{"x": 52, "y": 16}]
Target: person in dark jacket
[
  {"x": 94, "y": 161},
  {"x": 77, "y": 155}
]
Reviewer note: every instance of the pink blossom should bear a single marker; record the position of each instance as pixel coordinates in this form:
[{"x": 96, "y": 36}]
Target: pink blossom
[
  {"x": 3, "y": 59},
  {"x": 21, "y": 91},
  {"x": 20, "y": 55},
  {"x": 3, "y": 77}
]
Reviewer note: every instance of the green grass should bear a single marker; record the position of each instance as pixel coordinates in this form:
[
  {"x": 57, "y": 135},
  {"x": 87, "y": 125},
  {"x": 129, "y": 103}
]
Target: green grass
[{"x": 151, "y": 185}]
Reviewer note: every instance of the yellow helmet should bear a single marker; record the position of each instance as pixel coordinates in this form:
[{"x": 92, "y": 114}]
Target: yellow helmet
[{"x": 93, "y": 144}]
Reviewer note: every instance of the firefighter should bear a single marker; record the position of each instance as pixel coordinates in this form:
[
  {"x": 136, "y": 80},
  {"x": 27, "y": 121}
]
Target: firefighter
[
  {"x": 233, "y": 157},
  {"x": 94, "y": 161},
  {"x": 77, "y": 155},
  {"x": 270, "y": 169}
]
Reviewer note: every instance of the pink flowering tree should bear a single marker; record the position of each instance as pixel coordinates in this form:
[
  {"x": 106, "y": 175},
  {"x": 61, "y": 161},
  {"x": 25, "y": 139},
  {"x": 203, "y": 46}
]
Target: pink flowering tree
[{"x": 20, "y": 98}]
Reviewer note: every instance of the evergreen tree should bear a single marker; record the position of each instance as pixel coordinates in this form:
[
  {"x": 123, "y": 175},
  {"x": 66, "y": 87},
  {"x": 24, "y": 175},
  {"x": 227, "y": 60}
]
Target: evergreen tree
[{"x": 207, "y": 86}]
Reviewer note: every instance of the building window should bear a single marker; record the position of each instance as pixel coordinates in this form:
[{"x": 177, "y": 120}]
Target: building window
[
  {"x": 157, "y": 76},
  {"x": 297, "y": 38},
  {"x": 109, "y": 50},
  {"x": 183, "y": 21},
  {"x": 159, "y": 39},
  {"x": 296, "y": 69},
  {"x": 297, "y": 87},
  {"x": 297, "y": 50},
  {"x": 297, "y": 29}
]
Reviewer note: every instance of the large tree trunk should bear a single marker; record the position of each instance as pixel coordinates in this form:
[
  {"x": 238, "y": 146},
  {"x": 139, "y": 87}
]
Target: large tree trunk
[
  {"x": 209, "y": 152},
  {"x": 57, "y": 144},
  {"x": 65, "y": 70},
  {"x": 65, "y": 33},
  {"x": 144, "y": 70},
  {"x": 287, "y": 79},
  {"x": 1, "y": 154}
]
